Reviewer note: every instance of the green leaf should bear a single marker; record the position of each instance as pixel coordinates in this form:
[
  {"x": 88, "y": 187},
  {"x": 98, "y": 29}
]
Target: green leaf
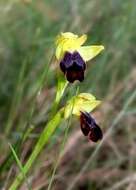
[{"x": 19, "y": 165}]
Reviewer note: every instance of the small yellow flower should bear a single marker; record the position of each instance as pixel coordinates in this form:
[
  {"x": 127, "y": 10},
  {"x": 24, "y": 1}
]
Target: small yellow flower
[
  {"x": 83, "y": 102},
  {"x": 69, "y": 42}
]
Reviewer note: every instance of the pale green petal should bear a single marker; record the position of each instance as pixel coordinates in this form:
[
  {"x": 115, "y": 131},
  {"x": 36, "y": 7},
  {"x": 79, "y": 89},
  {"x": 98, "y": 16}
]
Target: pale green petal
[
  {"x": 64, "y": 37},
  {"x": 82, "y": 102},
  {"x": 86, "y": 107},
  {"x": 81, "y": 40},
  {"x": 86, "y": 96},
  {"x": 68, "y": 35},
  {"x": 89, "y": 52},
  {"x": 68, "y": 42}
]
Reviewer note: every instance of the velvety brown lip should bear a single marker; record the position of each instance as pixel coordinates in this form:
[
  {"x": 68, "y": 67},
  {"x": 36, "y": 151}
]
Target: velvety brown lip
[
  {"x": 73, "y": 66},
  {"x": 89, "y": 127}
]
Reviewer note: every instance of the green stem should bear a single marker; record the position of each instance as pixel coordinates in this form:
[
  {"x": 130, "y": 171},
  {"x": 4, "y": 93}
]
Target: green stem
[
  {"x": 61, "y": 86},
  {"x": 45, "y": 136}
]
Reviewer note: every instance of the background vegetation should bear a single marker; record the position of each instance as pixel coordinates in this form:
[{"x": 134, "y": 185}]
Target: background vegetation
[{"x": 27, "y": 32}]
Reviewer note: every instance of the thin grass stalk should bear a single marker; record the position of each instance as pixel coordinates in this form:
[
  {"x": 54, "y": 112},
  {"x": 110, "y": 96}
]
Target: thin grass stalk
[
  {"x": 43, "y": 139},
  {"x": 16, "y": 99}
]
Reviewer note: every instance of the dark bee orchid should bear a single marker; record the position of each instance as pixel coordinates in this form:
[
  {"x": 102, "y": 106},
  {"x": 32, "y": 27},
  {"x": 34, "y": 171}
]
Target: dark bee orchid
[
  {"x": 81, "y": 105},
  {"x": 72, "y": 55},
  {"x": 89, "y": 127},
  {"x": 73, "y": 66}
]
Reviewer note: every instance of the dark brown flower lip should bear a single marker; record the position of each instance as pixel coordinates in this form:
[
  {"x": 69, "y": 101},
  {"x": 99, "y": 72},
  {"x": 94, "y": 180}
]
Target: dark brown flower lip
[
  {"x": 89, "y": 127},
  {"x": 73, "y": 66}
]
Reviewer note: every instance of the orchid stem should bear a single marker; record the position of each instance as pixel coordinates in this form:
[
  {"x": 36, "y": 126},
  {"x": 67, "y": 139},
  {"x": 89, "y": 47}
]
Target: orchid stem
[{"x": 44, "y": 137}]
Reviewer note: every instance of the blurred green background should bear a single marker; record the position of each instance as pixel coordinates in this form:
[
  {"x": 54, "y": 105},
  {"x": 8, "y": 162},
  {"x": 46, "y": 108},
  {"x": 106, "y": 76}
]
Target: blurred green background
[{"x": 27, "y": 33}]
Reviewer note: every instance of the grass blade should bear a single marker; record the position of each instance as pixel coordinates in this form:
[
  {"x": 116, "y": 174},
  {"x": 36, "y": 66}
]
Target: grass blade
[{"x": 19, "y": 165}]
